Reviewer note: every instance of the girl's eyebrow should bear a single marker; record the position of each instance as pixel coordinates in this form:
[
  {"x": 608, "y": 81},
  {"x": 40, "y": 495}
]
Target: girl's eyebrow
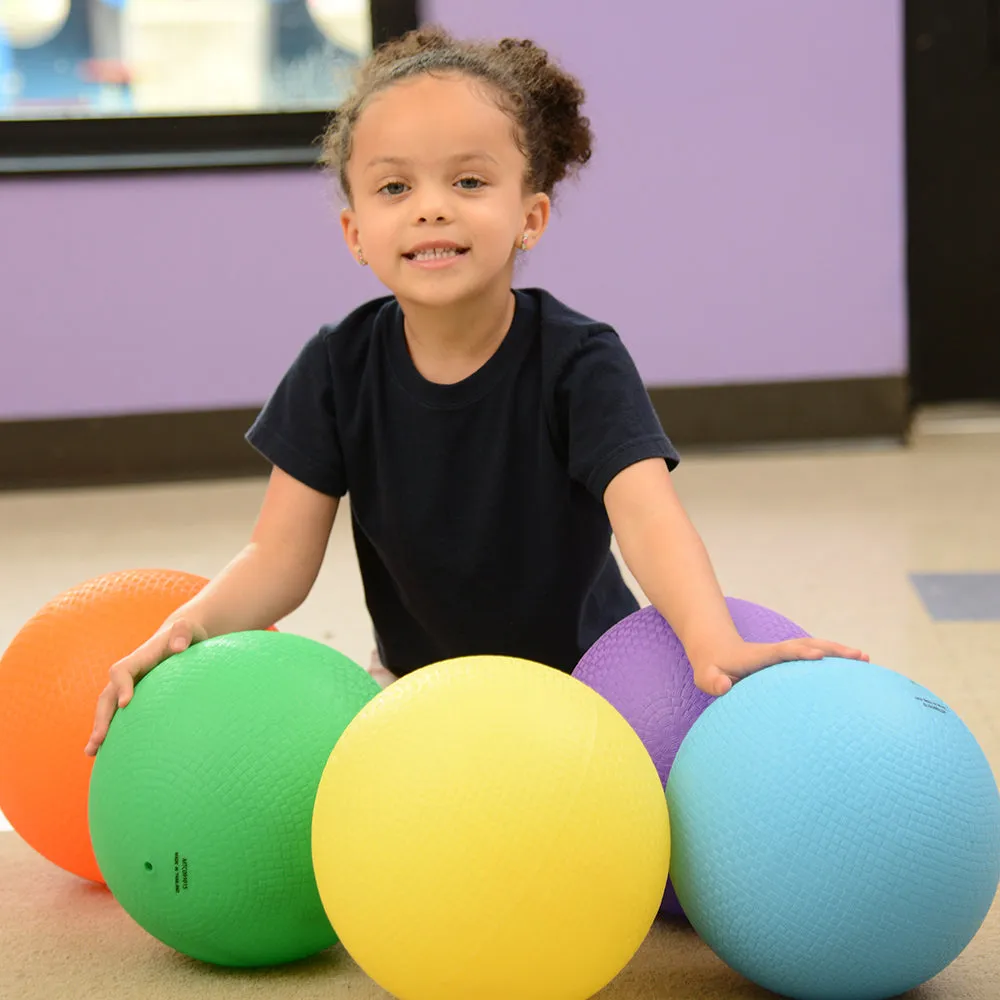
[{"x": 402, "y": 161}]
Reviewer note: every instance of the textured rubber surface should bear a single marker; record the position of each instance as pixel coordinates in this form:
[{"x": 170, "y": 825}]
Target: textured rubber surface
[
  {"x": 202, "y": 796},
  {"x": 836, "y": 831},
  {"x": 50, "y": 678},
  {"x": 640, "y": 666},
  {"x": 490, "y": 828}
]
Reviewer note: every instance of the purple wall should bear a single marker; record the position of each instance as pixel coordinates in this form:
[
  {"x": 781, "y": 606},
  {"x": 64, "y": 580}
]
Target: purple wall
[{"x": 741, "y": 221}]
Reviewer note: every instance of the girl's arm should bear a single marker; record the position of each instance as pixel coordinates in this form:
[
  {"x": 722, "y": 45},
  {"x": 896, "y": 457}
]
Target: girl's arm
[
  {"x": 668, "y": 559},
  {"x": 269, "y": 578}
]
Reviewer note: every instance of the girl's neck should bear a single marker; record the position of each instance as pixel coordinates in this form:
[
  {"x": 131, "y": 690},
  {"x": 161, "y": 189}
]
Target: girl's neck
[{"x": 448, "y": 344}]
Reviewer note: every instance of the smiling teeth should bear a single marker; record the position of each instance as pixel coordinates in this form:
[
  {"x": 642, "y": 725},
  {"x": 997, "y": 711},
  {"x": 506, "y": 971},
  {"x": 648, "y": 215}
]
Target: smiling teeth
[{"x": 432, "y": 254}]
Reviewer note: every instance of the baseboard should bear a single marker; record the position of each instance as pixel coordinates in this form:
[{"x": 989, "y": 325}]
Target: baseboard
[
  {"x": 134, "y": 448},
  {"x": 777, "y": 412},
  {"x": 161, "y": 447}
]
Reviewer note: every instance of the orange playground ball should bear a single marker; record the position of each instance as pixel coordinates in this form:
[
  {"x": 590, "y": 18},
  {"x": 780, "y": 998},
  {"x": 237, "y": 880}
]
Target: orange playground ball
[{"x": 50, "y": 678}]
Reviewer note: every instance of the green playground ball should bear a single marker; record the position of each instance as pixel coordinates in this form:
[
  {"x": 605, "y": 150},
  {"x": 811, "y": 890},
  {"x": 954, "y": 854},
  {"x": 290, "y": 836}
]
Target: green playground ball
[{"x": 201, "y": 798}]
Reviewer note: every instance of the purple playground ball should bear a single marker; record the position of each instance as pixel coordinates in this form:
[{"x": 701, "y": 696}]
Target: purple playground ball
[{"x": 640, "y": 666}]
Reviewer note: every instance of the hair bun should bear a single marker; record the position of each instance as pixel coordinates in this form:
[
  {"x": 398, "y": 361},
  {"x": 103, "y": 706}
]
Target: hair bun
[{"x": 542, "y": 99}]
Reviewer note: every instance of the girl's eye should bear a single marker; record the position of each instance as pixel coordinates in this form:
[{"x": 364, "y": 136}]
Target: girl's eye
[
  {"x": 471, "y": 183},
  {"x": 392, "y": 188}
]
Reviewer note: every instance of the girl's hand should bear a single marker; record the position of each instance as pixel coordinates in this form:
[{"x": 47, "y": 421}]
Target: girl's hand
[
  {"x": 167, "y": 641},
  {"x": 716, "y": 673}
]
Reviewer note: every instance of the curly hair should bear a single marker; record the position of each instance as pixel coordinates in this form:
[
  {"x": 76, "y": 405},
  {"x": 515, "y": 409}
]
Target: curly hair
[{"x": 542, "y": 100}]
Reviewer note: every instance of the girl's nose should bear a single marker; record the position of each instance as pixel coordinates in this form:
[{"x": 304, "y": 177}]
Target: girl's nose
[{"x": 432, "y": 205}]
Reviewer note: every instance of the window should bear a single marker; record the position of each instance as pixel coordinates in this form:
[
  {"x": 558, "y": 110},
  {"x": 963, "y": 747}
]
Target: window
[{"x": 129, "y": 84}]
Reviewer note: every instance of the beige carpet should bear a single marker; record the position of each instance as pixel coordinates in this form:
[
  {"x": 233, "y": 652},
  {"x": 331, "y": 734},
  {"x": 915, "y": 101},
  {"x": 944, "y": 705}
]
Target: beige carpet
[
  {"x": 867, "y": 516},
  {"x": 64, "y": 939}
]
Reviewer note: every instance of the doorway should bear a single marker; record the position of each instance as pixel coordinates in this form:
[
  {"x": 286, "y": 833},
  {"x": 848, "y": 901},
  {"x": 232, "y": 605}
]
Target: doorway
[{"x": 953, "y": 198}]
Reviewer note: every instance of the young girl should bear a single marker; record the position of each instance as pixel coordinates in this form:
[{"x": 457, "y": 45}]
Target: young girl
[{"x": 490, "y": 439}]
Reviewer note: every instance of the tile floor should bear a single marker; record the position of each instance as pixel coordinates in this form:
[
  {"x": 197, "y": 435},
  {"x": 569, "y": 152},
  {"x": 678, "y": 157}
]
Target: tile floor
[{"x": 894, "y": 549}]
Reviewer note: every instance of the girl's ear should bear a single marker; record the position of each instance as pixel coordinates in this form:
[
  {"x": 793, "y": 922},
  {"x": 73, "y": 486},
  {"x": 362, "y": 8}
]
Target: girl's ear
[
  {"x": 352, "y": 237},
  {"x": 537, "y": 210}
]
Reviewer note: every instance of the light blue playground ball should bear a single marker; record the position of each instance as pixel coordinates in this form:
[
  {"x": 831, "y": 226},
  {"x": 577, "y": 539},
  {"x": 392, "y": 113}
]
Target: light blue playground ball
[{"x": 835, "y": 831}]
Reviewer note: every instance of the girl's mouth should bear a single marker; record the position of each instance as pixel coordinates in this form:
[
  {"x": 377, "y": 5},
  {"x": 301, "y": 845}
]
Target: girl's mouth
[{"x": 437, "y": 257}]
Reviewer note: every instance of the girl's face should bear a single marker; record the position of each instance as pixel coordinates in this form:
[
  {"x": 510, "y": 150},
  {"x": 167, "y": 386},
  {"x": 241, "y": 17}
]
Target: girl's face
[{"x": 437, "y": 184}]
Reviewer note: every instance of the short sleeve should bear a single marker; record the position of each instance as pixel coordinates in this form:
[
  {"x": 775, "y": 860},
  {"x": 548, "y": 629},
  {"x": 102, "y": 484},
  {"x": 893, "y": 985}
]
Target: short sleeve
[
  {"x": 297, "y": 428},
  {"x": 604, "y": 413}
]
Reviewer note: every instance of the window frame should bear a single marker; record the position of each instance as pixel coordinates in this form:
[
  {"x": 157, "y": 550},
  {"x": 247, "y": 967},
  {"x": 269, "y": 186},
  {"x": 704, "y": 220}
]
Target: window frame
[{"x": 181, "y": 142}]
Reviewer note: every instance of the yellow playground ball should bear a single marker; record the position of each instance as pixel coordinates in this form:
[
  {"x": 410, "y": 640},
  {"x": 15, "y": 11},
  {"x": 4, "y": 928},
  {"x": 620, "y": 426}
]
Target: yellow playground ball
[{"x": 490, "y": 828}]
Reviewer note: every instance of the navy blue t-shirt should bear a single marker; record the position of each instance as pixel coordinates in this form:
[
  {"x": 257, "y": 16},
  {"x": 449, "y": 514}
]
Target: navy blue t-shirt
[{"x": 477, "y": 507}]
